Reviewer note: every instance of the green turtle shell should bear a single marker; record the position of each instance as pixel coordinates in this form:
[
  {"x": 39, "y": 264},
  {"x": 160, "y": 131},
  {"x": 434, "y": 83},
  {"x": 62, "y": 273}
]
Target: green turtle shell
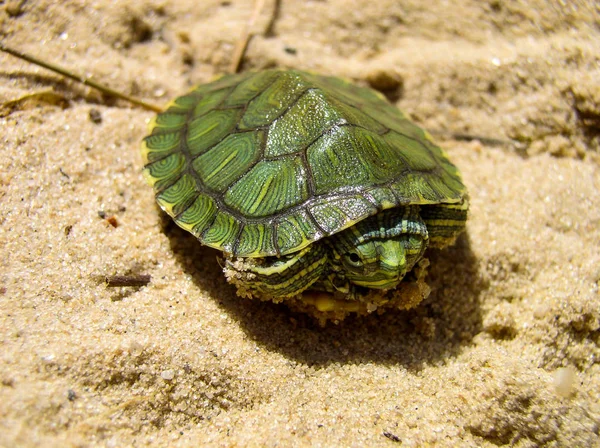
[{"x": 263, "y": 164}]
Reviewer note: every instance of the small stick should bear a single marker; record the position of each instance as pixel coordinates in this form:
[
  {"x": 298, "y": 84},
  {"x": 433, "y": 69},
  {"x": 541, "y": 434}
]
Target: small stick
[
  {"x": 485, "y": 140},
  {"x": 81, "y": 79},
  {"x": 490, "y": 141},
  {"x": 128, "y": 280},
  {"x": 242, "y": 44}
]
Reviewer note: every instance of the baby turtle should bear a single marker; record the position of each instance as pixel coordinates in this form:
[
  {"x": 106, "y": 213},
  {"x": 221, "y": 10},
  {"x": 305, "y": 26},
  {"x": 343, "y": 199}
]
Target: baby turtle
[{"x": 309, "y": 185}]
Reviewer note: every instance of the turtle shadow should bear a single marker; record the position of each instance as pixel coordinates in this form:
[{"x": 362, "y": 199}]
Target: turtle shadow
[{"x": 437, "y": 329}]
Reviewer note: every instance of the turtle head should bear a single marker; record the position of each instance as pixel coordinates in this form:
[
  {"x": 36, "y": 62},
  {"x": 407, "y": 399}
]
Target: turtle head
[
  {"x": 377, "y": 252},
  {"x": 378, "y": 264}
]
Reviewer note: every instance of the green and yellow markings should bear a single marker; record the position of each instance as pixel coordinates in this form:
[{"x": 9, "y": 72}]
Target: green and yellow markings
[
  {"x": 413, "y": 188},
  {"x": 183, "y": 104},
  {"x": 274, "y": 100},
  {"x": 349, "y": 156},
  {"x": 445, "y": 222},
  {"x": 335, "y": 162},
  {"x": 249, "y": 88},
  {"x": 208, "y": 130},
  {"x": 443, "y": 190},
  {"x": 269, "y": 188},
  {"x": 256, "y": 240},
  {"x": 282, "y": 266},
  {"x": 379, "y": 155},
  {"x": 412, "y": 152},
  {"x": 198, "y": 216},
  {"x": 222, "y": 233},
  {"x": 178, "y": 196},
  {"x": 301, "y": 124},
  {"x": 392, "y": 118},
  {"x": 347, "y": 91},
  {"x": 227, "y": 161},
  {"x": 383, "y": 196},
  {"x": 170, "y": 120},
  {"x": 209, "y": 102},
  {"x": 162, "y": 173},
  {"x": 358, "y": 140},
  {"x": 335, "y": 214},
  {"x": 288, "y": 277},
  {"x": 356, "y": 116},
  {"x": 452, "y": 177},
  {"x": 157, "y": 146},
  {"x": 428, "y": 189},
  {"x": 221, "y": 82},
  {"x": 295, "y": 232}
]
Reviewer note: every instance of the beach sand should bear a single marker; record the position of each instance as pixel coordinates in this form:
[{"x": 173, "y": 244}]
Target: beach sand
[{"x": 505, "y": 350}]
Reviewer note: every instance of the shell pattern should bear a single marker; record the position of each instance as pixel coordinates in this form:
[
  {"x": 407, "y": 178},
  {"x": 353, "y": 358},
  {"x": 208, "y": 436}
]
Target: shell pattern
[{"x": 263, "y": 164}]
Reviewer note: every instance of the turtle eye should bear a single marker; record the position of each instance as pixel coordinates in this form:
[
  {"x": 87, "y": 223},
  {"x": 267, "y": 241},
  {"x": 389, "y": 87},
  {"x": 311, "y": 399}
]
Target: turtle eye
[{"x": 353, "y": 259}]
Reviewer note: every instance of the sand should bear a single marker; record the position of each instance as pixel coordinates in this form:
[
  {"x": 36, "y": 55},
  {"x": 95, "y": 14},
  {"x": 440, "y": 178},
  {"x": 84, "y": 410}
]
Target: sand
[{"x": 506, "y": 349}]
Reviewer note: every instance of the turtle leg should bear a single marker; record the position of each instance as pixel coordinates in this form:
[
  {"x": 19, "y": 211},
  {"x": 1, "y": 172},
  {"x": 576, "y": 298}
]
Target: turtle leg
[
  {"x": 276, "y": 278},
  {"x": 444, "y": 222}
]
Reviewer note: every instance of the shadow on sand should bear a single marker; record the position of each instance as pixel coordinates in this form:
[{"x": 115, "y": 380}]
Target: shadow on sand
[{"x": 435, "y": 330}]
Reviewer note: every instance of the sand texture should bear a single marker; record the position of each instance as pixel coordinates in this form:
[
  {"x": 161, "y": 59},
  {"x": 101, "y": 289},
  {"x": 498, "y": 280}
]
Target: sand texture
[{"x": 506, "y": 349}]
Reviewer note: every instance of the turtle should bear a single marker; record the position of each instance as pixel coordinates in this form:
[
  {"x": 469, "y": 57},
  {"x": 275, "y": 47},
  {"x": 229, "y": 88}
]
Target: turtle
[{"x": 308, "y": 184}]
